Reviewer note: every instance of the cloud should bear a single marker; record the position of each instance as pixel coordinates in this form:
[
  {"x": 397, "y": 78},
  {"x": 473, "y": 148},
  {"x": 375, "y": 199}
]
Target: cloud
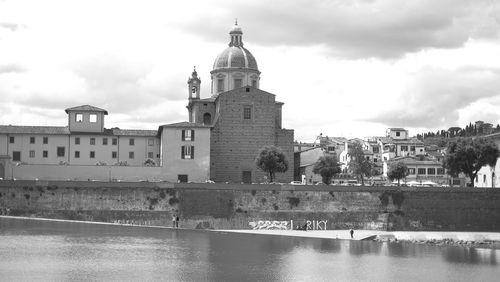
[
  {"x": 10, "y": 26},
  {"x": 11, "y": 68},
  {"x": 359, "y": 29},
  {"x": 437, "y": 98}
]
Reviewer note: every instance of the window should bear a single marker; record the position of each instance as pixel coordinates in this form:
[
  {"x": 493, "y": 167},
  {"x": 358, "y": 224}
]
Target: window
[
  {"x": 484, "y": 178},
  {"x": 79, "y": 117},
  {"x": 114, "y": 154},
  {"x": 220, "y": 85},
  {"x": 187, "y": 135},
  {"x": 93, "y": 118},
  {"x": 331, "y": 149},
  {"x": 375, "y": 160},
  {"x": 376, "y": 150},
  {"x": 77, "y": 154},
  {"x": 440, "y": 171},
  {"x": 412, "y": 148},
  {"x": 130, "y": 155},
  {"x": 114, "y": 141},
  {"x": 398, "y": 133},
  {"x": 105, "y": 141},
  {"x": 77, "y": 140},
  {"x": 92, "y": 141},
  {"x": 431, "y": 171},
  {"x": 61, "y": 151},
  {"x": 421, "y": 171},
  {"x": 411, "y": 171},
  {"x": 254, "y": 83},
  {"x": 32, "y": 153},
  {"x": 151, "y": 142},
  {"x": 187, "y": 152},
  {"x": 16, "y": 156},
  {"x": 131, "y": 141},
  {"x": 247, "y": 112},
  {"x": 12, "y": 139},
  {"x": 92, "y": 154},
  {"x": 150, "y": 155},
  {"x": 45, "y": 154},
  {"x": 238, "y": 83},
  {"x": 32, "y": 140},
  {"x": 404, "y": 148},
  {"x": 45, "y": 140}
]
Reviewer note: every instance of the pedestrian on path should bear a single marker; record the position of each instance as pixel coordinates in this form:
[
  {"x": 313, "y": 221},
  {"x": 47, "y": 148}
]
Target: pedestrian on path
[
  {"x": 352, "y": 233},
  {"x": 174, "y": 220},
  {"x": 177, "y": 222}
]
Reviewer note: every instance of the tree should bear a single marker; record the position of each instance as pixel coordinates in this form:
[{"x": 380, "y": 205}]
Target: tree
[
  {"x": 327, "y": 166},
  {"x": 398, "y": 171},
  {"x": 468, "y": 156},
  {"x": 359, "y": 165},
  {"x": 271, "y": 159}
]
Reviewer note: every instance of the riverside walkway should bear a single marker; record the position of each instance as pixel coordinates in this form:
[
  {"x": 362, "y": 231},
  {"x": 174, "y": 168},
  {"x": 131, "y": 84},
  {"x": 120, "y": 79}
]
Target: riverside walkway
[{"x": 381, "y": 235}]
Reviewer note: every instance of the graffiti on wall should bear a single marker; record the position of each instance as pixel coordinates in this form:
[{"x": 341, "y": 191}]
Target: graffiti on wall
[{"x": 288, "y": 225}]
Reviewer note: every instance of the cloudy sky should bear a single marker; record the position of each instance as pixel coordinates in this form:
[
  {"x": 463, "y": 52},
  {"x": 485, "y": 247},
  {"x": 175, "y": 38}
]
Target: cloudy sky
[{"x": 342, "y": 68}]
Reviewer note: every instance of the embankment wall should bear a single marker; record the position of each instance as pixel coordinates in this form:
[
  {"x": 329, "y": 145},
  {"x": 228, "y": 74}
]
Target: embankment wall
[{"x": 239, "y": 206}]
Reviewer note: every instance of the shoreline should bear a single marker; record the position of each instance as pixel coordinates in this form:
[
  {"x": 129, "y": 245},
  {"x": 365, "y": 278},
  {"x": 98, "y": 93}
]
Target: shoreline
[{"x": 438, "y": 238}]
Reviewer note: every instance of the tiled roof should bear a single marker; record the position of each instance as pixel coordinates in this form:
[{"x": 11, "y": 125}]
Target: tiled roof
[
  {"x": 86, "y": 108},
  {"x": 16, "y": 129},
  {"x": 185, "y": 124},
  {"x": 134, "y": 132}
]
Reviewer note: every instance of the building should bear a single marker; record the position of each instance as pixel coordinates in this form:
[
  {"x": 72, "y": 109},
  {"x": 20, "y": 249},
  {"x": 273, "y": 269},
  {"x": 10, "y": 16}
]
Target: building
[
  {"x": 220, "y": 141},
  {"x": 242, "y": 117}
]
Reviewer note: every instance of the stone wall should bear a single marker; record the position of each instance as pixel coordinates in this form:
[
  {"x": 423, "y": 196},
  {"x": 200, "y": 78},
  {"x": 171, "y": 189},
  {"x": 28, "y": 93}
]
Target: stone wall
[
  {"x": 235, "y": 142},
  {"x": 226, "y": 206}
]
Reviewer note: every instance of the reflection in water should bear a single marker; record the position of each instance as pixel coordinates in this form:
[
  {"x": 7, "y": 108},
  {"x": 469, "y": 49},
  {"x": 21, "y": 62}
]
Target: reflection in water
[
  {"x": 471, "y": 255},
  {"x": 44, "y": 250}
]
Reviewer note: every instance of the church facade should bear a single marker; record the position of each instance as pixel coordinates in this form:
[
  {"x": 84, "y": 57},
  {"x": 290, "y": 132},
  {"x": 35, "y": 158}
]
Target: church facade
[{"x": 220, "y": 141}]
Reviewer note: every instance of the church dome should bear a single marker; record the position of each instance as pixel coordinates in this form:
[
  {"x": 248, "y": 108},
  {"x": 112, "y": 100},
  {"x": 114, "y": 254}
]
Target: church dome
[{"x": 235, "y": 56}]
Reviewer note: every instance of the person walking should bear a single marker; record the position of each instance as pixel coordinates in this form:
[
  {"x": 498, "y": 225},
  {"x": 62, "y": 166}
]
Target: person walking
[
  {"x": 174, "y": 220},
  {"x": 352, "y": 233},
  {"x": 177, "y": 222}
]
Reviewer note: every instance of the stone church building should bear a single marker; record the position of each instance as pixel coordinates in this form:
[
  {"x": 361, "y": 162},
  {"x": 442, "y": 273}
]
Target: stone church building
[{"x": 243, "y": 117}]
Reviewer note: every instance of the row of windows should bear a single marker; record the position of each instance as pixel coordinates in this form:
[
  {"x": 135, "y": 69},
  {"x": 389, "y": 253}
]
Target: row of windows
[
  {"x": 45, "y": 140},
  {"x": 428, "y": 171},
  {"x": 16, "y": 155},
  {"x": 92, "y": 118},
  {"x": 114, "y": 141}
]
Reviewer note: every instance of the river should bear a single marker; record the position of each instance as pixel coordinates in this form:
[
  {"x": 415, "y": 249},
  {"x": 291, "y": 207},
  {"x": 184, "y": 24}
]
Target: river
[{"x": 69, "y": 251}]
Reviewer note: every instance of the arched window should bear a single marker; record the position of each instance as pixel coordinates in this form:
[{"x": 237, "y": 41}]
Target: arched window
[{"x": 207, "y": 119}]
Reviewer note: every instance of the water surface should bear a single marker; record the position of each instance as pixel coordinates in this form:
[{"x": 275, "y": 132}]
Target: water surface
[{"x": 68, "y": 251}]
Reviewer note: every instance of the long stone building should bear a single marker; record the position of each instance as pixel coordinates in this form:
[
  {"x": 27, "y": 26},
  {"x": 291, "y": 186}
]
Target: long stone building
[{"x": 219, "y": 142}]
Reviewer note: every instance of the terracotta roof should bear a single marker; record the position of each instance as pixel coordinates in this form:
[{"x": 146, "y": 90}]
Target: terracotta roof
[
  {"x": 186, "y": 124},
  {"x": 86, "y": 108},
  {"x": 17, "y": 129},
  {"x": 134, "y": 132}
]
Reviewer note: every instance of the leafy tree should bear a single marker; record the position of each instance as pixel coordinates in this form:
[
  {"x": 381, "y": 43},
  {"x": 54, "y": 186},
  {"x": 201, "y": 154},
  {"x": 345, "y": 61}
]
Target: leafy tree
[
  {"x": 359, "y": 165},
  {"x": 468, "y": 156},
  {"x": 327, "y": 166},
  {"x": 271, "y": 159},
  {"x": 398, "y": 171}
]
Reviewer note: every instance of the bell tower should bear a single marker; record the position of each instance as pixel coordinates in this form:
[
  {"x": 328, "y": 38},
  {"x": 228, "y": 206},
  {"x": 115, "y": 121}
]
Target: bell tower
[{"x": 194, "y": 85}]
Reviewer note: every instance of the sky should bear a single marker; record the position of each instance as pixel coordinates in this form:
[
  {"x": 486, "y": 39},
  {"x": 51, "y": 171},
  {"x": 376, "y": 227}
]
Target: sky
[{"x": 342, "y": 68}]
